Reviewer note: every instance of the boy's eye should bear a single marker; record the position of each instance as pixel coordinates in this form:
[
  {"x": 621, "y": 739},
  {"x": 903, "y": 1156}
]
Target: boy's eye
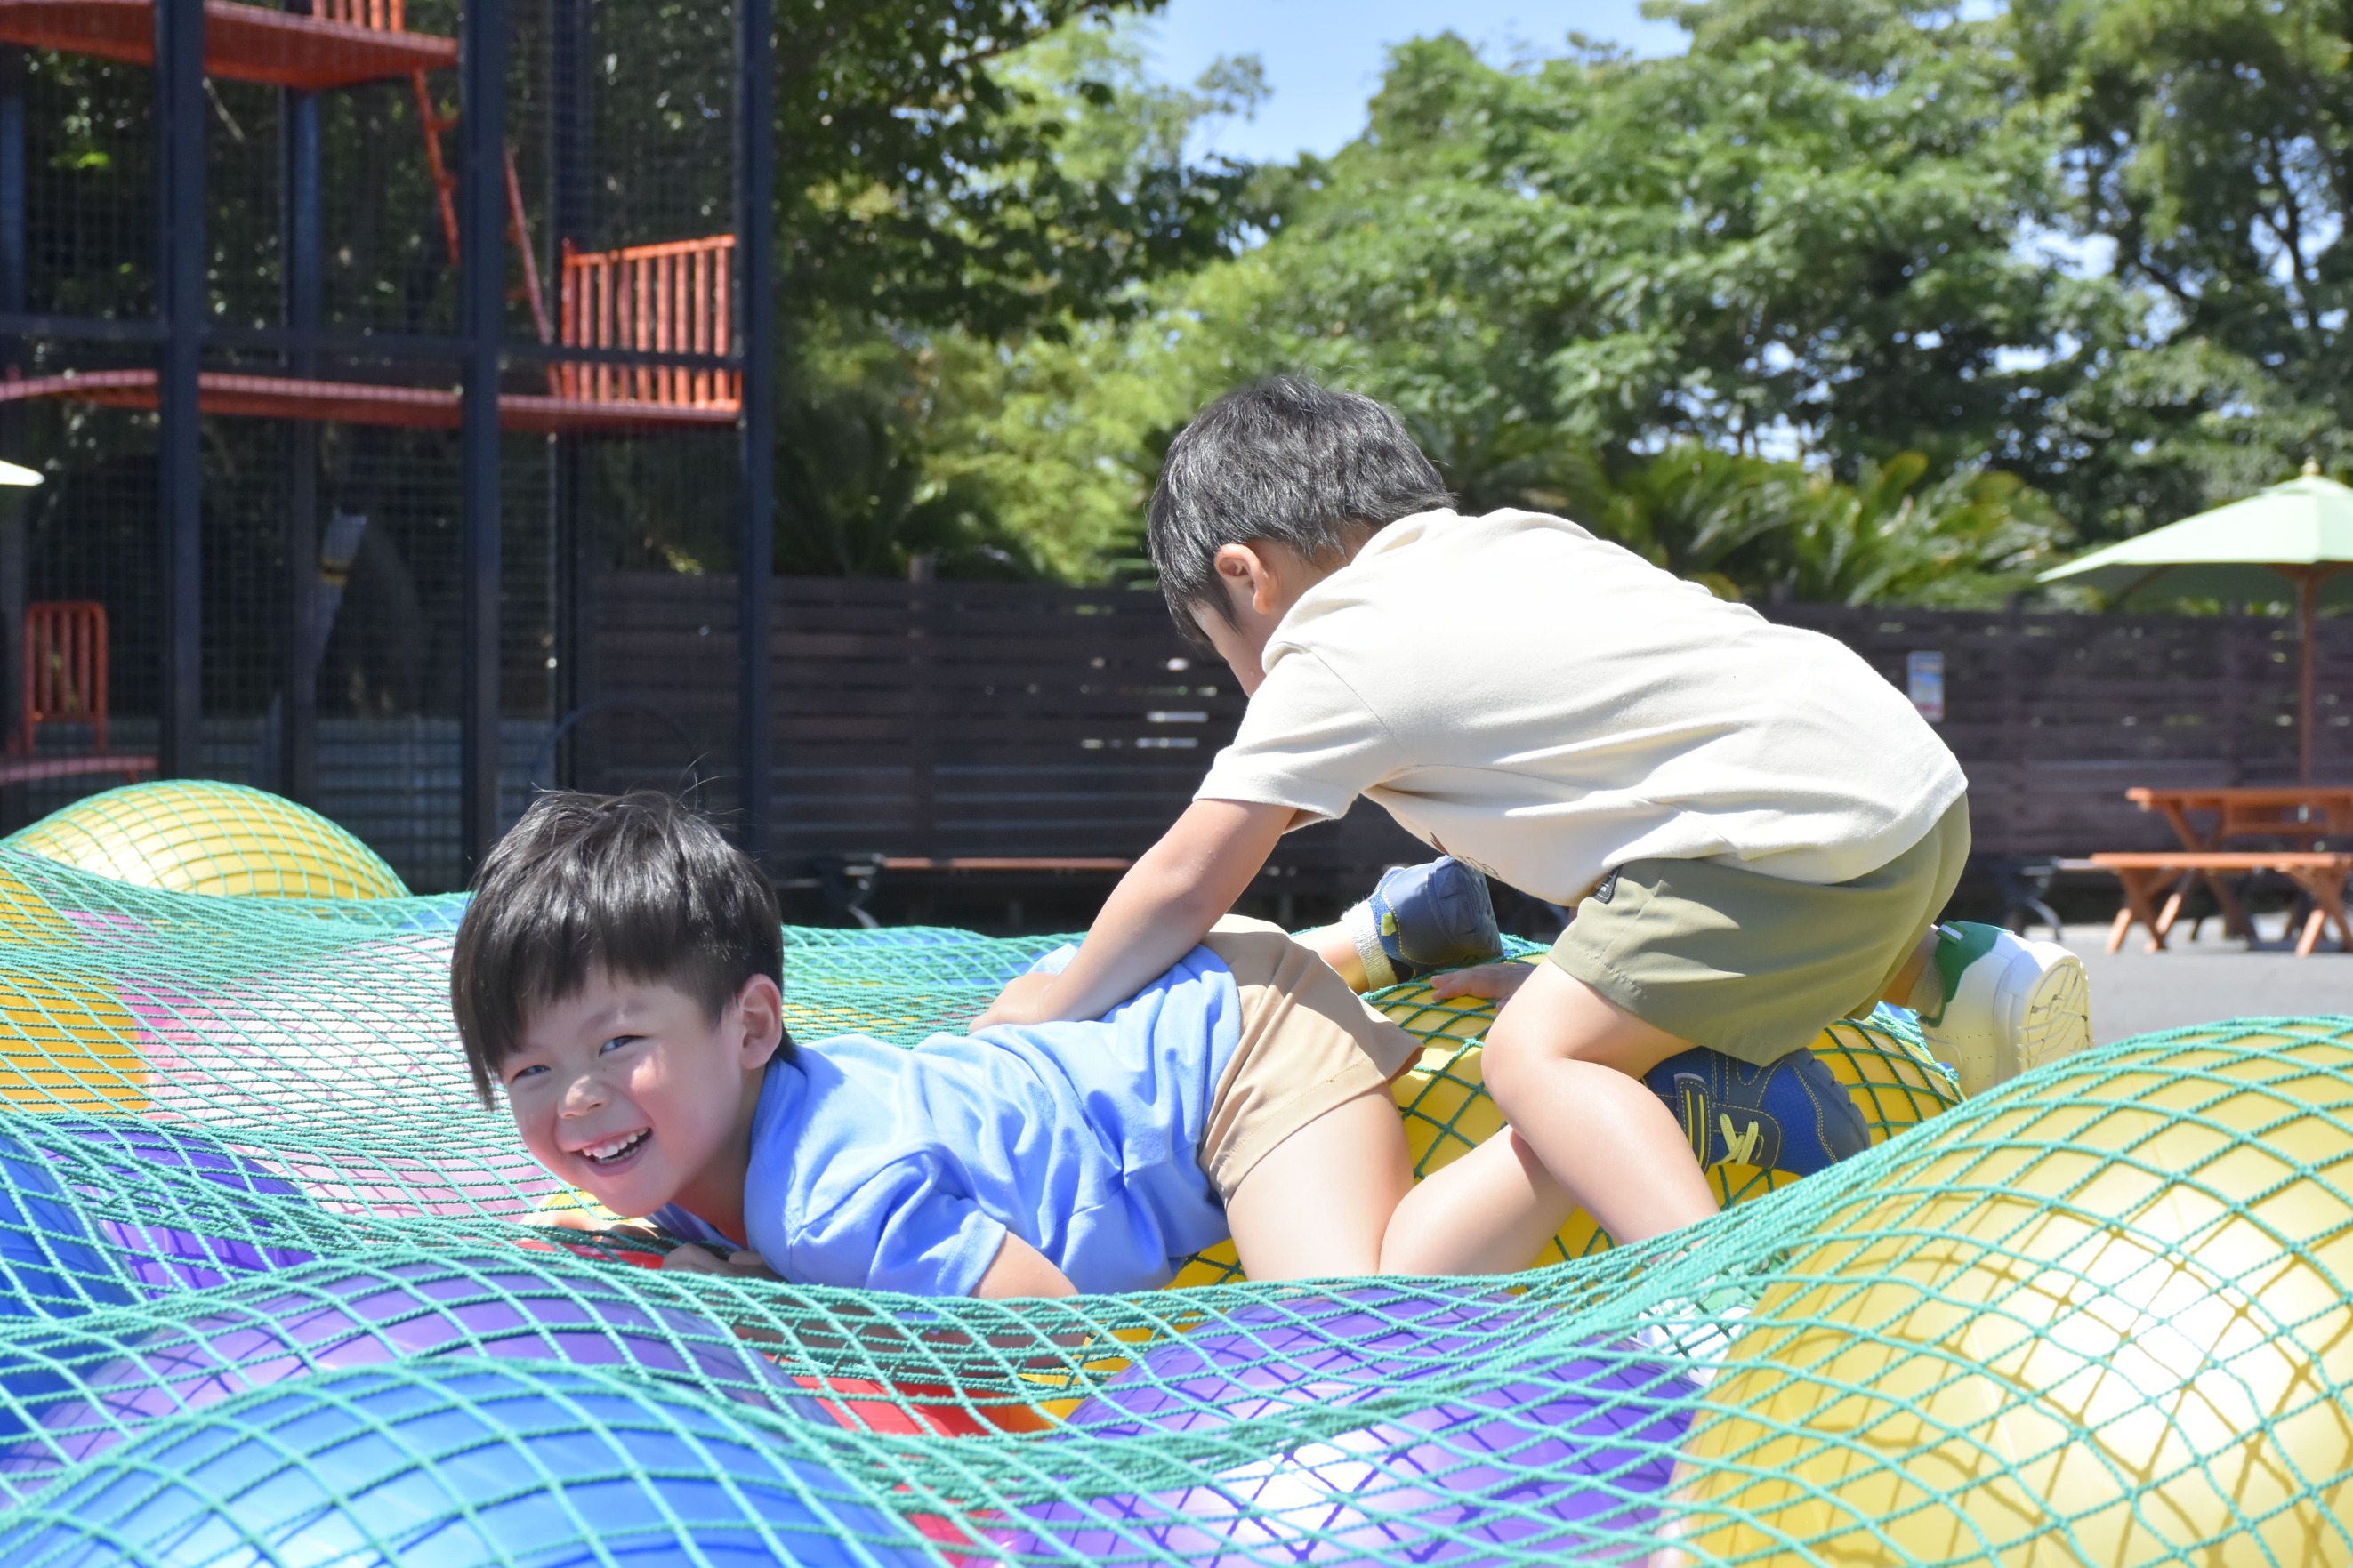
[
  {"x": 618, "y": 1041},
  {"x": 521, "y": 1073}
]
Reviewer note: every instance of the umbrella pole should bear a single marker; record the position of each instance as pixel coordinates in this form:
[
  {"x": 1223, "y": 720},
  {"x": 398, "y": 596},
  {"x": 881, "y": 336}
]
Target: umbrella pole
[{"x": 2307, "y": 590}]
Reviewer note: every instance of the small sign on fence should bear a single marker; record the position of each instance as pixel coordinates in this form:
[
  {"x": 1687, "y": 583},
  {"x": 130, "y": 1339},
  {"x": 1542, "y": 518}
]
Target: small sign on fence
[{"x": 1923, "y": 682}]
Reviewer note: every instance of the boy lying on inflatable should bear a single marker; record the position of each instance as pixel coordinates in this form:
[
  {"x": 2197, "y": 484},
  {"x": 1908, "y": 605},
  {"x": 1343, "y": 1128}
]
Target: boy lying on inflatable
[{"x": 619, "y": 975}]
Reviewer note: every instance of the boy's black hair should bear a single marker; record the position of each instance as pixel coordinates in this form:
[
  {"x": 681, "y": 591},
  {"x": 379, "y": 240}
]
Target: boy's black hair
[
  {"x": 635, "y": 885},
  {"x": 1281, "y": 459}
]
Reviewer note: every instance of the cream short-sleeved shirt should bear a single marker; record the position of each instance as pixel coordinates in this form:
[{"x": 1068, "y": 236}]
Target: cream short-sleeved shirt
[{"x": 1546, "y": 705}]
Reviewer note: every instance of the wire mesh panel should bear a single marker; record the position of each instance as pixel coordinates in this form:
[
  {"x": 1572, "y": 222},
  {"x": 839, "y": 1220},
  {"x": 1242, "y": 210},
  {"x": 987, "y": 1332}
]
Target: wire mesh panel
[{"x": 331, "y": 454}]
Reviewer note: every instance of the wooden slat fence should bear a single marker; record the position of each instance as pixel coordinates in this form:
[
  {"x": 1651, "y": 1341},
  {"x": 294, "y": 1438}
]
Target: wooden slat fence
[
  {"x": 2055, "y": 716},
  {"x": 967, "y": 718},
  {"x": 935, "y": 719}
]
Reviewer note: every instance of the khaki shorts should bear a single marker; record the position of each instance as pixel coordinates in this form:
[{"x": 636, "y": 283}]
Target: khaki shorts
[
  {"x": 1752, "y": 965},
  {"x": 1308, "y": 1044}
]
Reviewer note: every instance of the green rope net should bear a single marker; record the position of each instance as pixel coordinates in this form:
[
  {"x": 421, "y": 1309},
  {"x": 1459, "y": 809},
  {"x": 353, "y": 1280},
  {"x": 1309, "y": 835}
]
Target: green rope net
[{"x": 269, "y": 1295}]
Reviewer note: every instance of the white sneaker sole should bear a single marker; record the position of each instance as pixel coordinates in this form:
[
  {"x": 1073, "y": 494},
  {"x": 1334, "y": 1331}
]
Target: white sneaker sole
[{"x": 2045, "y": 1002}]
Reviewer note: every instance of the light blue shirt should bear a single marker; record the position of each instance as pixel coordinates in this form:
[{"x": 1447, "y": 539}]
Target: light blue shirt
[{"x": 877, "y": 1167}]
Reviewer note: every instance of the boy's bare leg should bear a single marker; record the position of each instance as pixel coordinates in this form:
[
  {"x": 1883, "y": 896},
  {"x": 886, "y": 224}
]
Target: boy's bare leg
[
  {"x": 1338, "y": 1198},
  {"x": 1319, "y": 1202},
  {"x": 1899, "y": 990},
  {"x": 1491, "y": 1212},
  {"x": 1565, "y": 1066},
  {"x": 1334, "y": 946}
]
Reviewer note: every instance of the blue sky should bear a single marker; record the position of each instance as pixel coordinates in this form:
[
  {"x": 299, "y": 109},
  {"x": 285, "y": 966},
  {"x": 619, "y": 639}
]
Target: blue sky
[{"x": 1324, "y": 58}]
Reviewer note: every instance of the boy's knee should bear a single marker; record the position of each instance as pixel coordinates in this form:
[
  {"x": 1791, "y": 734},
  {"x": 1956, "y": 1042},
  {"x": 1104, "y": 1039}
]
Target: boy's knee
[
  {"x": 1520, "y": 1045},
  {"x": 1558, "y": 1018}
]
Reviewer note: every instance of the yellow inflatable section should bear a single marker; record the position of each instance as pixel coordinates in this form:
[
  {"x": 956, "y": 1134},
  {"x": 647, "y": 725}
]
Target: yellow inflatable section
[
  {"x": 1448, "y": 1111},
  {"x": 2098, "y": 1320},
  {"x": 66, "y": 1044},
  {"x": 192, "y": 835}
]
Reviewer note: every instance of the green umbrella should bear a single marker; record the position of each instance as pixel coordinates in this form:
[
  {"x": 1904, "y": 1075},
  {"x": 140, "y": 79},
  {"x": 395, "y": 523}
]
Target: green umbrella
[{"x": 2301, "y": 531}]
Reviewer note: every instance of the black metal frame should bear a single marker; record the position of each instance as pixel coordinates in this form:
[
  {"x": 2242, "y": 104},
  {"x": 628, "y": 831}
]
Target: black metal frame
[
  {"x": 482, "y": 314},
  {"x": 389, "y": 347},
  {"x": 305, "y": 280},
  {"x": 180, "y": 333},
  {"x": 571, "y": 205},
  {"x": 755, "y": 184},
  {"x": 14, "y": 259},
  {"x": 182, "y": 306}
]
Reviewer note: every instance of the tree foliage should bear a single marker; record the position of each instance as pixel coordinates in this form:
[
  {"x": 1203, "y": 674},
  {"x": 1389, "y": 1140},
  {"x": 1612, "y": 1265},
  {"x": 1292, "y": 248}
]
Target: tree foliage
[
  {"x": 1898, "y": 531},
  {"x": 2205, "y": 144},
  {"x": 1851, "y": 298},
  {"x": 1790, "y": 282},
  {"x": 1000, "y": 172}
]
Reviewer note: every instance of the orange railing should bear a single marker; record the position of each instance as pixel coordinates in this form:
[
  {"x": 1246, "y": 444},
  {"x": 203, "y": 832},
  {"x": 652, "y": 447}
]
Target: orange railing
[
  {"x": 65, "y": 667},
  {"x": 384, "y": 16},
  {"x": 652, "y": 299}
]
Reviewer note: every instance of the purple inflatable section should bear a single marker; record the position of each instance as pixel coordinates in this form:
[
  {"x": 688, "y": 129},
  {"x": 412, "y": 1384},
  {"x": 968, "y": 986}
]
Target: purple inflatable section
[
  {"x": 1563, "y": 1457},
  {"x": 326, "y": 1322}
]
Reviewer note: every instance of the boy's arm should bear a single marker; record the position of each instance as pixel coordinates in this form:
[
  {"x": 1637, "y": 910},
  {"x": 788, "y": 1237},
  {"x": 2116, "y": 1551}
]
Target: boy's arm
[
  {"x": 695, "y": 1258},
  {"x": 1158, "y": 913},
  {"x": 1021, "y": 1270}
]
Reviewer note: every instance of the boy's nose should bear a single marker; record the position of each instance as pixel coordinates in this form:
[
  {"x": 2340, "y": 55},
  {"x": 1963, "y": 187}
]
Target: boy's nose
[{"x": 585, "y": 1092}]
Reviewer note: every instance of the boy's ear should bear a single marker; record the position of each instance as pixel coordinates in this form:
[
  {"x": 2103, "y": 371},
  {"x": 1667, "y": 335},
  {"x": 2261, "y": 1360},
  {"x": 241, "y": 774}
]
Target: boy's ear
[
  {"x": 762, "y": 1008},
  {"x": 1249, "y": 574}
]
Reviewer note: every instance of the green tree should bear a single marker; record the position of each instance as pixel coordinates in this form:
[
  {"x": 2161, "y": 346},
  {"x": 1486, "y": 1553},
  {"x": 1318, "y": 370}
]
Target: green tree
[
  {"x": 1740, "y": 246},
  {"x": 1042, "y": 187},
  {"x": 2210, "y": 149},
  {"x": 1038, "y": 446},
  {"x": 1751, "y": 528},
  {"x": 1768, "y": 249}
]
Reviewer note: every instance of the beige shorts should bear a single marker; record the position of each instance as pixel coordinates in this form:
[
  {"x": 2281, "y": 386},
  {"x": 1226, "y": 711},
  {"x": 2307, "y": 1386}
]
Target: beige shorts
[
  {"x": 1752, "y": 965},
  {"x": 1308, "y": 1044}
]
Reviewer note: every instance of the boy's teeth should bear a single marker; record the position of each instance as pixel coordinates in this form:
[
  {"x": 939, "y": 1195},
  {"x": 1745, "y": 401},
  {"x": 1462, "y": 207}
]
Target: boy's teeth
[{"x": 613, "y": 1147}]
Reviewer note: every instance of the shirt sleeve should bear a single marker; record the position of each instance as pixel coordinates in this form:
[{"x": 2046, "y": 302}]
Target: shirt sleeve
[
  {"x": 904, "y": 1228},
  {"x": 1307, "y": 740},
  {"x": 687, "y": 1226}
]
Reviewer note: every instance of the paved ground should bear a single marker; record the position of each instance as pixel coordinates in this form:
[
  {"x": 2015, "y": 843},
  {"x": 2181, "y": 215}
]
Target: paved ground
[{"x": 2136, "y": 990}]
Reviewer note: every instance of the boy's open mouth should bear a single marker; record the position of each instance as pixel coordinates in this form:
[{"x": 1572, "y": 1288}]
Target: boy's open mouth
[{"x": 614, "y": 1151}]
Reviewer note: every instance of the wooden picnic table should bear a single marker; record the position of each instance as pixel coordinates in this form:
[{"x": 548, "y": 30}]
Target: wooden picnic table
[
  {"x": 2207, "y": 821},
  {"x": 2320, "y": 873},
  {"x": 2303, "y": 811}
]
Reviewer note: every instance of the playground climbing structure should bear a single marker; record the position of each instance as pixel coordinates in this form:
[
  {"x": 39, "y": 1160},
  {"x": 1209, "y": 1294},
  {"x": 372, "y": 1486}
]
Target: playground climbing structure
[{"x": 240, "y": 282}]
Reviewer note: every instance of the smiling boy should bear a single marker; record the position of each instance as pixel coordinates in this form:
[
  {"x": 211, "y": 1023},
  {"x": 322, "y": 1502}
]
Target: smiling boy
[{"x": 618, "y": 976}]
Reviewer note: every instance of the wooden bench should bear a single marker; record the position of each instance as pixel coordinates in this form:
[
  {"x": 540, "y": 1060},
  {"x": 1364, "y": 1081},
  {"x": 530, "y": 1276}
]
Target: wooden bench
[
  {"x": 846, "y": 882},
  {"x": 2321, "y": 874}
]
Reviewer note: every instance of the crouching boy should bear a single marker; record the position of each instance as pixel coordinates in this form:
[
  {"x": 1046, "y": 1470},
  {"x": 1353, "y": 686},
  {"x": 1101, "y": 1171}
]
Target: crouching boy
[
  {"x": 618, "y": 976},
  {"x": 1758, "y": 831}
]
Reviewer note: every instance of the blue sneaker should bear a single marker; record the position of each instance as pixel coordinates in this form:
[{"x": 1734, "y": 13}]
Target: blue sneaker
[
  {"x": 1793, "y": 1116},
  {"x": 1421, "y": 919}
]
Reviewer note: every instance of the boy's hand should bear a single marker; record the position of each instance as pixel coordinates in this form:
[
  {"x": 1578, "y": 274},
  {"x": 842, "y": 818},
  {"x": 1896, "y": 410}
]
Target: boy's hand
[
  {"x": 1021, "y": 1001},
  {"x": 1159, "y": 912},
  {"x": 693, "y": 1259},
  {"x": 1496, "y": 979}
]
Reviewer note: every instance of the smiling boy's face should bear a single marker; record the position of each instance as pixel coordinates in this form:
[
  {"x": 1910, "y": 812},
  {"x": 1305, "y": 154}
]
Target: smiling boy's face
[{"x": 628, "y": 1089}]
